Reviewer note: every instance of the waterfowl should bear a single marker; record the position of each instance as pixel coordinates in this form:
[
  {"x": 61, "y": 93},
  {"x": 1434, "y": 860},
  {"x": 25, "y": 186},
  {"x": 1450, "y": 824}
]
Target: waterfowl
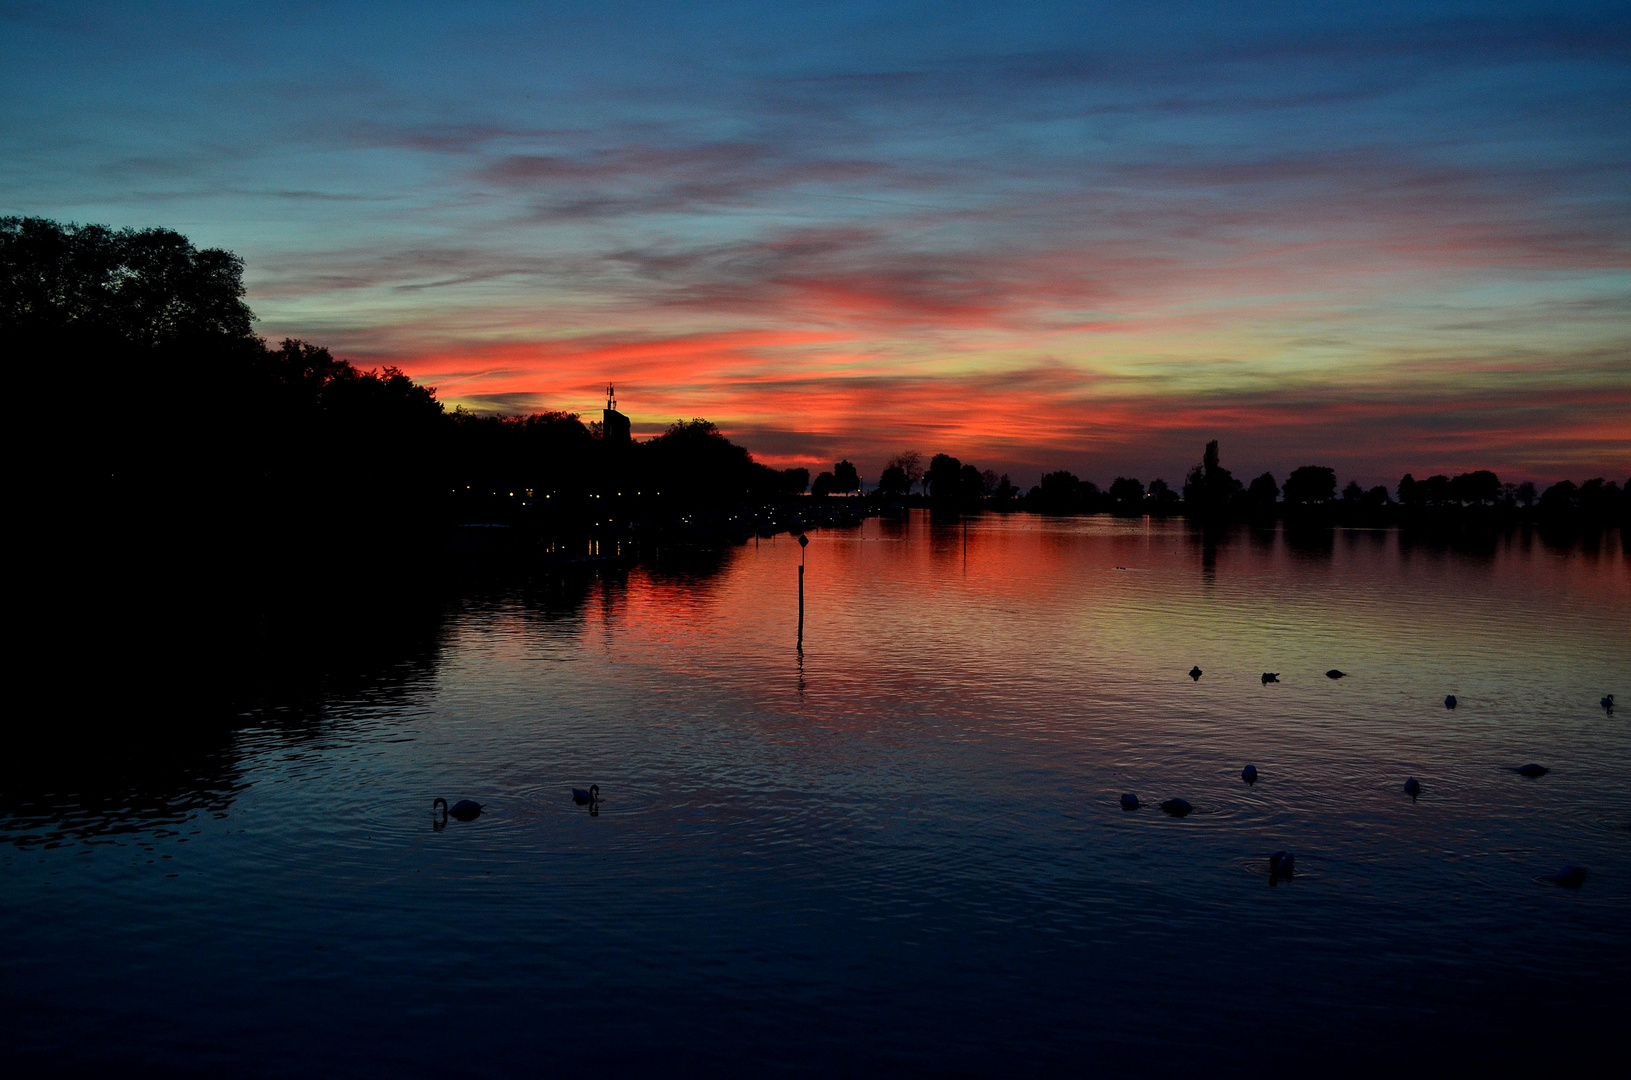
[
  {"x": 1531, "y": 770},
  {"x": 1177, "y": 807},
  {"x": 1449, "y": 701},
  {"x": 1195, "y": 673},
  {"x": 1270, "y": 676},
  {"x": 586, "y": 798},
  {"x": 1282, "y": 864},
  {"x": 463, "y": 810},
  {"x": 1335, "y": 674},
  {"x": 1129, "y": 801},
  {"x": 1249, "y": 774},
  {"x": 1412, "y": 788},
  {"x": 1570, "y": 877},
  {"x": 1607, "y": 702}
]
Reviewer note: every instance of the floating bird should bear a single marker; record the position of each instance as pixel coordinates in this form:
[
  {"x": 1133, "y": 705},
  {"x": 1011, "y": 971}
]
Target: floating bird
[
  {"x": 1335, "y": 674},
  {"x": 1195, "y": 673},
  {"x": 463, "y": 810},
  {"x": 1249, "y": 774},
  {"x": 1270, "y": 676},
  {"x": 1449, "y": 701},
  {"x": 1282, "y": 864},
  {"x": 1607, "y": 702},
  {"x": 1412, "y": 788},
  {"x": 1177, "y": 807},
  {"x": 1570, "y": 877},
  {"x": 1129, "y": 801},
  {"x": 586, "y": 798},
  {"x": 1531, "y": 770}
]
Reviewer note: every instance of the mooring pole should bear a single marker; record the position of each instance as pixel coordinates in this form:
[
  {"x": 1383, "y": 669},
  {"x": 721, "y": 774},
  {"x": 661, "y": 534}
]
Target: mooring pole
[{"x": 804, "y": 542}]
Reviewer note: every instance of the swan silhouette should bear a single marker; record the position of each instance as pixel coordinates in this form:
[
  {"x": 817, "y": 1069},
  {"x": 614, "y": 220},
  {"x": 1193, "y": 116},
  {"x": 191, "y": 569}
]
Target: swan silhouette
[
  {"x": 1335, "y": 674},
  {"x": 586, "y": 798},
  {"x": 1129, "y": 801},
  {"x": 463, "y": 810},
  {"x": 1412, "y": 788},
  {"x": 1195, "y": 673},
  {"x": 1270, "y": 676},
  {"x": 1249, "y": 774},
  {"x": 1531, "y": 770},
  {"x": 1449, "y": 701},
  {"x": 1570, "y": 877},
  {"x": 1607, "y": 702},
  {"x": 1177, "y": 807},
  {"x": 1282, "y": 864}
]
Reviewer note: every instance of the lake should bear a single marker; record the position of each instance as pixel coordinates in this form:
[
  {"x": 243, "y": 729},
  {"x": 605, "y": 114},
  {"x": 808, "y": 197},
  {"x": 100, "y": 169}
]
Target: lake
[{"x": 897, "y": 850}]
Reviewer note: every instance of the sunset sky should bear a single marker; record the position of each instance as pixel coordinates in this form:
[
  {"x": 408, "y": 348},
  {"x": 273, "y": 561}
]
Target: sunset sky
[{"x": 1084, "y": 236}]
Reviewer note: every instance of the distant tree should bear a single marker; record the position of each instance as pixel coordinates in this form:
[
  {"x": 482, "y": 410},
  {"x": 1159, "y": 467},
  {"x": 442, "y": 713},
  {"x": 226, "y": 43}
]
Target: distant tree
[
  {"x": 1004, "y": 492},
  {"x": 1162, "y": 496},
  {"x": 1310, "y": 485},
  {"x": 1353, "y": 493},
  {"x": 1410, "y": 492},
  {"x": 1263, "y": 493},
  {"x": 1600, "y": 499},
  {"x": 1210, "y": 488},
  {"x": 944, "y": 479},
  {"x": 1058, "y": 493},
  {"x": 845, "y": 477},
  {"x": 1436, "y": 490},
  {"x": 910, "y": 463},
  {"x": 894, "y": 481},
  {"x": 989, "y": 480},
  {"x": 1559, "y": 499},
  {"x": 824, "y": 485},
  {"x": 1127, "y": 494},
  {"x": 1377, "y": 497},
  {"x": 1481, "y": 488},
  {"x": 970, "y": 484},
  {"x": 1525, "y": 494},
  {"x": 795, "y": 481}
]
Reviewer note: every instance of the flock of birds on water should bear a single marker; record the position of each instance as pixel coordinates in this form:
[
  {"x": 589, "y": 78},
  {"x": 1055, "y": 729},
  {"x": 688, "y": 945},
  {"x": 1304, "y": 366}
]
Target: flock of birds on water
[{"x": 1282, "y": 864}]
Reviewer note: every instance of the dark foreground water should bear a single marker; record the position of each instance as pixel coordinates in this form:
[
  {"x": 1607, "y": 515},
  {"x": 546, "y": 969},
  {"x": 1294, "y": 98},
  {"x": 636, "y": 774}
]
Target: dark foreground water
[{"x": 899, "y": 852}]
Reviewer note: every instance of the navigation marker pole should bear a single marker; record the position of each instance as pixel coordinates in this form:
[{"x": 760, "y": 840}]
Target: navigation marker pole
[{"x": 804, "y": 542}]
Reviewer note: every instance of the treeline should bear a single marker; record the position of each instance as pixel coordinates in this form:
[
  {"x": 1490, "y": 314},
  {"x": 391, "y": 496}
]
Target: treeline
[
  {"x": 153, "y": 413},
  {"x": 156, "y": 415},
  {"x": 1210, "y": 491}
]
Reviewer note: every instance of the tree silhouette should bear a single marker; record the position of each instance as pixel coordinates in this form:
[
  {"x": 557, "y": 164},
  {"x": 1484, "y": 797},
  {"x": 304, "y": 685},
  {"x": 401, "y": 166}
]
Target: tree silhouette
[
  {"x": 1311, "y": 485},
  {"x": 1128, "y": 495},
  {"x": 944, "y": 477}
]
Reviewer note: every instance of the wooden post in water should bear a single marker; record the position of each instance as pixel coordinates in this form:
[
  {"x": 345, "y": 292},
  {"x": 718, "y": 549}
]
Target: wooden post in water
[{"x": 804, "y": 542}]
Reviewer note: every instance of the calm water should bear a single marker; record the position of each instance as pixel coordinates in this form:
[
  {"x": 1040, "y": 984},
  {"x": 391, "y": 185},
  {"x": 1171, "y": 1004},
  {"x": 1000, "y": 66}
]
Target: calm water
[{"x": 900, "y": 851}]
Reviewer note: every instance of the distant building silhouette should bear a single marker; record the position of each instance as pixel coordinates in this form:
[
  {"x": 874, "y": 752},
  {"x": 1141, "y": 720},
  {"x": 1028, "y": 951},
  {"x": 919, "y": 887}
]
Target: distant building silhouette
[{"x": 614, "y": 426}]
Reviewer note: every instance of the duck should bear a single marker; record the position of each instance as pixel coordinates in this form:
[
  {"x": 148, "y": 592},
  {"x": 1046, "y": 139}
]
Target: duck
[
  {"x": 1129, "y": 801},
  {"x": 1531, "y": 770},
  {"x": 1570, "y": 877},
  {"x": 1270, "y": 676},
  {"x": 1282, "y": 864},
  {"x": 586, "y": 798},
  {"x": 1249, "y": 774},
  {"x": 1195, "y": 673},
  {"x": 1449, "y": 701},
  {"x": 1412, "y": 788},
  {"x": 1335, "y": 674},
  {"x": 1177, "y": 807},
  {"x": 463, "y": 810}
]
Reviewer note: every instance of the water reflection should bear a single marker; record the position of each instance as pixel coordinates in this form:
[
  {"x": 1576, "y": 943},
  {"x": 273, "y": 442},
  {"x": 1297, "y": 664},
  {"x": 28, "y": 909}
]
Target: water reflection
[{"x": 903, "y": 846}]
